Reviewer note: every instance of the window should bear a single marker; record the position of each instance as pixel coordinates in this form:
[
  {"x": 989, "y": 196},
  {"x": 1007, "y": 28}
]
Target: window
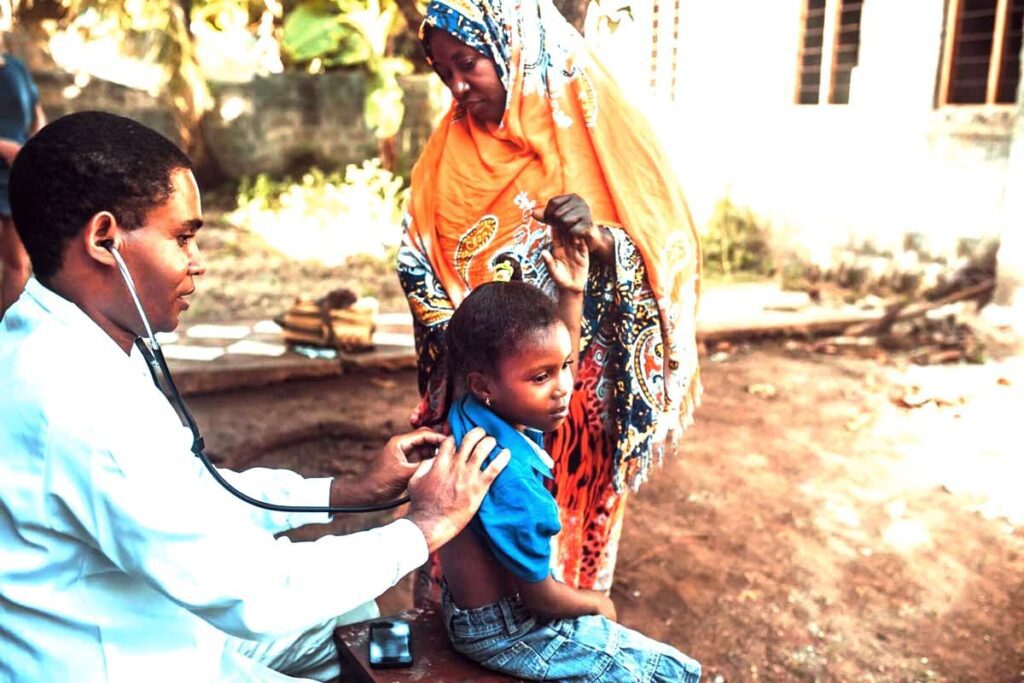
[
  {"x": 664, "y": 70},
  {"x": 829, "y": 48},
  {"x": 981, "y": 52}
]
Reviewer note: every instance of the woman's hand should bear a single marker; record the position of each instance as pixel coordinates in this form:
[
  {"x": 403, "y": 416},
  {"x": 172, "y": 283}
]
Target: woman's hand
[{"x": 569, "y": 215}]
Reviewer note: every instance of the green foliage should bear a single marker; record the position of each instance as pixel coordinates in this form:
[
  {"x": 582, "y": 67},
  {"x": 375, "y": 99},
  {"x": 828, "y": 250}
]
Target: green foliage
[
  {"x": 325, "y": 216},
  {"x": 317, "y": 31},
  {"x": 350, "y": 33},
  {"x": 155, "y": 31},
  {"x": 734, "y": 243},
  {"x": 794, "y": 274}
]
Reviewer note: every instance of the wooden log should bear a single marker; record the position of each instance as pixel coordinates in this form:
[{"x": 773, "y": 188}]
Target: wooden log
[{"x": 906, "y": 311}]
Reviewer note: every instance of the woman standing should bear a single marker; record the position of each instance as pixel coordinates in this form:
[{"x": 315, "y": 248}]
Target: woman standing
[
  {"x": 20, "y": 117},
  {"x": 540, "y": 138}
]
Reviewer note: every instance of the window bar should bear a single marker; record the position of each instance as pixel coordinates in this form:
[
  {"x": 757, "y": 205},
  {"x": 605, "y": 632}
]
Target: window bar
[
  {"x": 1009, "y": 72},
  {"x": 945, "y": 74},
  {"x": 809, "y": 78},
  {"x": 675, "y": 51},
  {"x": 654, "y": 45},
  {"x": 996, "y": 62},
  {"x": 828, "y": 49}
]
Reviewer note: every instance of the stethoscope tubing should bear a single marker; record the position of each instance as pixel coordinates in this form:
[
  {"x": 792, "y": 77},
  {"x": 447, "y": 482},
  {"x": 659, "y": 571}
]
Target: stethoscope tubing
[{"x": 154, "y": 355}]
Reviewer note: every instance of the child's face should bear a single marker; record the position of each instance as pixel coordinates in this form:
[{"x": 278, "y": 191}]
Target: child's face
[{"x": 531, "y": 388}]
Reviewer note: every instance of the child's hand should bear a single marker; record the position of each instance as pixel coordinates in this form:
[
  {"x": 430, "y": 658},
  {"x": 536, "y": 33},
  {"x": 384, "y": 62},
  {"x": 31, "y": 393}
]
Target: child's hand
[
  {"x": 605, "y": 606},
  {"x": 568, "y": 264},
  {"x": 569, "y": 258}
]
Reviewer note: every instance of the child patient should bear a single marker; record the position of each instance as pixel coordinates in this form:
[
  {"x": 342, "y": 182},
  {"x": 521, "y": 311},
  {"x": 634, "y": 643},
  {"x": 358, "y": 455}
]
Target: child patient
[{"x": 512, "y": 351}]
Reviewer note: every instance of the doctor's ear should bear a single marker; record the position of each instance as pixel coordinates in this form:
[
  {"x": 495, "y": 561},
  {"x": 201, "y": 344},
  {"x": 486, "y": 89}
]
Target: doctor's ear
[{"x": 101, "y": 234}]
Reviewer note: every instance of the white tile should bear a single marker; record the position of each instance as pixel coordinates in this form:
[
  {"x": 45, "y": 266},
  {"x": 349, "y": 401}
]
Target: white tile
[
  {"x": 394, "y": 339},
  {"x": 393, "y": 319},
  {"x": 266, "y": 327},
  {"x": 218, "y": 331},
  {"x": 182, "y": 352},
  {"x": 250, "y": 347}
]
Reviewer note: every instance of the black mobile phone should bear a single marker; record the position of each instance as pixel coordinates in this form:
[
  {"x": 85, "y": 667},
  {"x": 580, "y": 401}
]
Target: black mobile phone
[{"x": 390, "y": 644}]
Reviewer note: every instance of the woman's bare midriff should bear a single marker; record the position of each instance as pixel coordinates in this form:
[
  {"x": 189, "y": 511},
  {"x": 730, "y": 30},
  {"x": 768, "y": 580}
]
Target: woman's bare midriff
[{"x": 474, "y": 577}]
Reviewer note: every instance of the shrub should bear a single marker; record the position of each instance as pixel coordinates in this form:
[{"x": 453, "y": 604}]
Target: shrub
[
  {"x": 325, "y": 217},
  {"x": 734, "y": 243}
]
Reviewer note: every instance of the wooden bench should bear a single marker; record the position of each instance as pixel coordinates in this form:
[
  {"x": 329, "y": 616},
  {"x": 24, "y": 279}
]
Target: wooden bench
[{"x": 434, "y": 659}]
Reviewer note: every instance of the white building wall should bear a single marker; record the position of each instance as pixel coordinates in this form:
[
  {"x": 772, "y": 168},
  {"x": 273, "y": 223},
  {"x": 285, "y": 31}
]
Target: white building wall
[
  {"x": 1010, "y": 286},
  {"x": 885, "y": 165}
]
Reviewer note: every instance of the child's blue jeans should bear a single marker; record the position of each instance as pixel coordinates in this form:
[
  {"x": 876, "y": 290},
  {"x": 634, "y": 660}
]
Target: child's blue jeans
[{"x": 505, "y": 637}]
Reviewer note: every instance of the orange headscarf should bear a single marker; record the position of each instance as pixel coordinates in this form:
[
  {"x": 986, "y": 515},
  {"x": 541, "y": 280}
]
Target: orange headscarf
[{"x": 567, "y": 128}]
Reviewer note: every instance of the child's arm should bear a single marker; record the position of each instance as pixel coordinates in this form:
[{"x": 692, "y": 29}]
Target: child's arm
[
  {"x": 550, "y": 599},
  {"x": 568, "y": 261}
]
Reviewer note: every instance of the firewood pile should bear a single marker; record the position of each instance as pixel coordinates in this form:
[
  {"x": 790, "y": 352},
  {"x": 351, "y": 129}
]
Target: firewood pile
[{"x": 928, "y": 332}]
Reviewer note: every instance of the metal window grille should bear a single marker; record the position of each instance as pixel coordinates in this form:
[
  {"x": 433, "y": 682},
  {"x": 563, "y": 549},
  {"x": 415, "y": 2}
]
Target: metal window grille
[
  {"x": 665, "y": 22},
  {"x": 981, "y": 53},
  {"x": 829, "y": 50}
]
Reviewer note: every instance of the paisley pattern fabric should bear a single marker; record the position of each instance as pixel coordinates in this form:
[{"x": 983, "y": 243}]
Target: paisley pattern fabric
[{"x": 567, "y": 129}]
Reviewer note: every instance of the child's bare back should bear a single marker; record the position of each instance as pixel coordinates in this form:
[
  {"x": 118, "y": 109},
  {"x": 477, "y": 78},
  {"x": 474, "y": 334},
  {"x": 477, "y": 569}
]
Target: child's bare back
[{"x": 474, "y": 578}]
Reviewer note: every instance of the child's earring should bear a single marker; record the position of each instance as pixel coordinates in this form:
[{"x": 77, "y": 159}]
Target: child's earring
[{"x": 487, "y": 401}]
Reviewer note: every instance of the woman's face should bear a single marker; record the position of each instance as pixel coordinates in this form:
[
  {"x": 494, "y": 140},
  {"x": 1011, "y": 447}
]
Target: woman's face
[{"x": 472, "y": 77}]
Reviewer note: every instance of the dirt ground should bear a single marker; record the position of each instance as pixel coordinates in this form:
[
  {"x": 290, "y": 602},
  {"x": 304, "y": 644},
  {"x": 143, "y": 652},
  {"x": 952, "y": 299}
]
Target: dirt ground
[{"x": 827, "y": 519}]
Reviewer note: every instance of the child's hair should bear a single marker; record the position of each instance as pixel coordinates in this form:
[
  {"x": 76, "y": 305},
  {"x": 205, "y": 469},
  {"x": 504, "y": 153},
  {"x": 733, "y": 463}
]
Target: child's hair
[{"x": 492, "y": 322}]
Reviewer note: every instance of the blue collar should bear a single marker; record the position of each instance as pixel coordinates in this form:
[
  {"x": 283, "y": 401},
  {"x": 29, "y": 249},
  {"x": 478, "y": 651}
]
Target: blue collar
[{"x": 467, "y": 413}]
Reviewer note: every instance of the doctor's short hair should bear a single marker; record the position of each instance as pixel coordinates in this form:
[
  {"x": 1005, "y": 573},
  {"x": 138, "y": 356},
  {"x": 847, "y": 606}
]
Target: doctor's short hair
[
  {"x": 82, "y": 164},
  {"x": 494, "y": 321}
]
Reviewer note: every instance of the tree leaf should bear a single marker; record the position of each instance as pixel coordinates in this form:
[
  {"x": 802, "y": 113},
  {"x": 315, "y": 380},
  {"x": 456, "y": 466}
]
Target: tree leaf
[
  {"x": 311, "y": 31},
  {"x": 384, "y": 109}
]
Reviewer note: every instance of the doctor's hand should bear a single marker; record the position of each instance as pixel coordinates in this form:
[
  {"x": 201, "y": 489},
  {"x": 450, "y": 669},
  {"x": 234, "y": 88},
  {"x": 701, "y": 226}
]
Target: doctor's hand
[
  {"x": 388, "y": 474},
  {"x": 447, "y": 490}
]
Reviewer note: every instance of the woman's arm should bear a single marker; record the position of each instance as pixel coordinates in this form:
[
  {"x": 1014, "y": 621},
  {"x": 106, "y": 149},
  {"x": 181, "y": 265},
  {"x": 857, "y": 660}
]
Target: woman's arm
[
  {"x": 8, "y": 150},
  {"x": 550, "y": 599},
  {"x": 38, "y": 120}
]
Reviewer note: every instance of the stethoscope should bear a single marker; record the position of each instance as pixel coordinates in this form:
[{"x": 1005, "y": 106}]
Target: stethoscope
[{"x": 154, "y": 355}]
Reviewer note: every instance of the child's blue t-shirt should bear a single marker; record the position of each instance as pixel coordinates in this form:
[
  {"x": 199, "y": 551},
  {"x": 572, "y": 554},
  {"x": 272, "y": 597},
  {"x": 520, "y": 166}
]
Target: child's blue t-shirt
[{"x": 518, "y": 516}]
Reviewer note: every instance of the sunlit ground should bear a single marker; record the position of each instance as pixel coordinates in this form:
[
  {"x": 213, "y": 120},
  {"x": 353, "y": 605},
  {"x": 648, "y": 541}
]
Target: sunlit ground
[{"x": 967, "y": 439}]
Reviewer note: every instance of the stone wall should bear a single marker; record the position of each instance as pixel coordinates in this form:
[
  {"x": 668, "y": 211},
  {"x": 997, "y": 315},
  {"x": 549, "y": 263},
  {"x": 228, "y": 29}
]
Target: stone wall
[
  {"x": 59, "y": 95},
  {"x": 277, "y": 124},
  {"x": 289, "y": 121}
]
